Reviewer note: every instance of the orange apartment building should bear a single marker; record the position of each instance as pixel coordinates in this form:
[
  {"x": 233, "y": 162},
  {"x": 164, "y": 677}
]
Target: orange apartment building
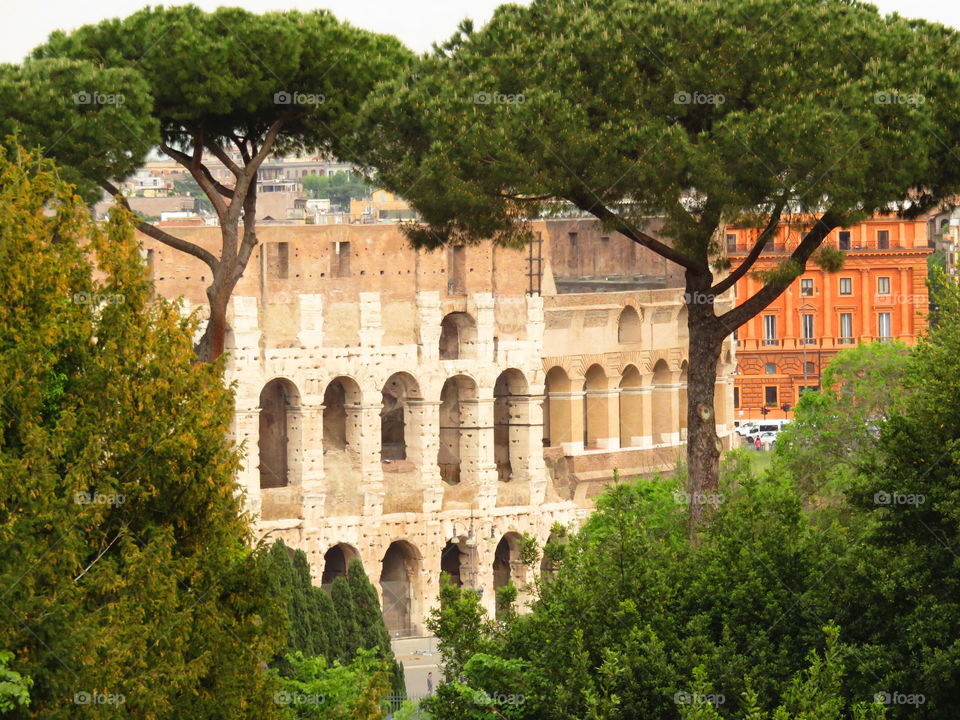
[{"x": 880, "y": 294}]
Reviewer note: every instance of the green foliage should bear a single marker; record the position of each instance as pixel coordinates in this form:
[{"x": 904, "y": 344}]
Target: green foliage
[
  {"x": 610, "y": 102},
  {"x": 127, "y": 564},
  {"x": 341, "y": 187},
  {"x": 315, "y": 690},
  {"x": 829, "y": 259},
  {"x": 14, "y": 687},
  {"x": 813, "y": 693},
  {"x": 460, "y": 625},
  {"x": 835, "y": 429}
]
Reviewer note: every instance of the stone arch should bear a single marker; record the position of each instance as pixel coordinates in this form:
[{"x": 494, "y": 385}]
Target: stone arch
[
  {"x": 631, "y": 407},
  {"x": 400, "y": 588},
  {"x": 510, "y": 395},
  {"x": 629, "y": 326},
  {"x": 682, "y": 400},
  {"x": 279, "y": 423},
  {"x": 395, "y": 416},
  {"x": 459, "y": 561},
  {"x": 506, "y": 563},
  {"x": 596, "y": 408},
  {"x": 557, "y": 407},
  {"x": 458, "y": 336},
  {"x": 336, "y": 560},
  {"x": 456, "y": 414},
  {"x": 661, "y": 416},
  {"x": 341, "y": 417}
]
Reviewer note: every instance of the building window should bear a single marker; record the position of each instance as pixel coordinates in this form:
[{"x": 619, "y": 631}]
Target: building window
[
  {"x": 846, "y": 328},
  {"x": 340, "y": 259},
  {"x": 736, "y": 397},
  {"x": 806, "y": 287},
  {"x": 883, "y": 326},
  {"x": 844, "y": 242},
  {"x": 883, "y": 286},
  {"x": 846, "y": 286},
  {"x": 770, "y": 395},
  {"x": 770, "y": 368},
  {"x": 806, "y": 327},
  {"x": 809, "y": 368},
  {"x": 573, "y": 239},
  {"x": 731, "y": 242},
  {"x": 769, "y": 329},
  {"x": 883, "y": 239}
]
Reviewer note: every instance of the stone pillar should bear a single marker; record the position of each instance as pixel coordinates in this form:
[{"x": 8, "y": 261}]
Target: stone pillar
[
  {"x": 310, "y": 307},
  {"x": 567, "y": 409},
  {"x": 428, "y": 326},
  {"x": 527, "y": 438},
  {"x": 371, "y": 324},
  {"x": 371, "y": 470},
  {"x": 635, "y": 417},
  {"x": 313, "y": 489},
  {"x": 478, "y": 466},
  {"x": 423, "y": 447},
  {"x": 244, "y": 336},
  {"x": 603, "y": 416},
  {"x": 246, "y": 427},
  {"x": 675, "y": 395},
  {"x": 485, "y": 326}
]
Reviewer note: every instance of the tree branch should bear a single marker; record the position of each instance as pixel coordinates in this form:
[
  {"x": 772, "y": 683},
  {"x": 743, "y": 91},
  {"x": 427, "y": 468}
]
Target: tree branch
[
  {"x": 161, "y": 236},
  {"x": 607, "y": 216},
  {"x": 744, "y": 267},
  {"x": 200, "y": 174},
  {"x": 736, "y": 317},
  {"x": 221, "y": 155},
  {"x": 250, "y": 171}
]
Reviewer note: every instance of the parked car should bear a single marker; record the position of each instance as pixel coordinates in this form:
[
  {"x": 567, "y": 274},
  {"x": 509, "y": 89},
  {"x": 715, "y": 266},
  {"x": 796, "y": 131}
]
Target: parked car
[
  {"x": 746, "y": 428},
  {"x": 768, "y": 439}
]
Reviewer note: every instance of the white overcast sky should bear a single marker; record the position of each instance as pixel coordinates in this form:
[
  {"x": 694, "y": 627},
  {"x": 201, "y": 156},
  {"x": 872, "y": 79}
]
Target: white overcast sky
[{"x": 418, "y": 23}]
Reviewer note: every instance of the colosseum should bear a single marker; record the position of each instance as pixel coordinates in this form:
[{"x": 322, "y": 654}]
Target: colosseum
[{"x": 422, "y": 411}]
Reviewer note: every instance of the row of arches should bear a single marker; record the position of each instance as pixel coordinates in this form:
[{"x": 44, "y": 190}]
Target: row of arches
[
  {"x": 605, "y": 412},
  {"x": 401, "y": 573},
  {"x": 401, "y": 413}
]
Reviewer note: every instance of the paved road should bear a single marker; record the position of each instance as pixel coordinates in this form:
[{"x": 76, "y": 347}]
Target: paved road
[{"x": 418, "y": 657}]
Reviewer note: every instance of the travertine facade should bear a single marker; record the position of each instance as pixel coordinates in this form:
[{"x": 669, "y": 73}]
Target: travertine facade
[{"x": 390, "y": 400}]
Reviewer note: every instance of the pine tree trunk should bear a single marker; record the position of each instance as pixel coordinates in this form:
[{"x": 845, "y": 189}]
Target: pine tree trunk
[
  {"x": 703, "y": 445},
  {"x": 212, "y": 343}
]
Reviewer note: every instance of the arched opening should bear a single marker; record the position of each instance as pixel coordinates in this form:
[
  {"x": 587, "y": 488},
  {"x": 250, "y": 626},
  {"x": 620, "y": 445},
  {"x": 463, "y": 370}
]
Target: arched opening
[
  {"x": 662, "y": 417},
  {"x": 335, "y": 563},
  {"x": 556, "y": 408},
  {"x": 458, "y": 336},
  {"x": 455, "y": 415},
  {"x": 399, "y": 569},
  {"x": 596, "y": 408},
  {"x": 398, "y": 391},
  {"x": 341, "y": 418},
  {"x": 507, "y": 567},
  {"x": 509, "y": 395},
  {"x": 279, "y": 402},
  {"x": 628, "y": 327},
  {"x": 631, "y": 408},
  {"x": 459, "y": 561},
  {"x": 682, "y": 400}
]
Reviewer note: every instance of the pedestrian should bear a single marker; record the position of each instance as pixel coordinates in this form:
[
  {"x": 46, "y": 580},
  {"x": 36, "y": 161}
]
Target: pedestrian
[
  {"x": 429, "y": 683},
  {"x": 758, "y": 443}
]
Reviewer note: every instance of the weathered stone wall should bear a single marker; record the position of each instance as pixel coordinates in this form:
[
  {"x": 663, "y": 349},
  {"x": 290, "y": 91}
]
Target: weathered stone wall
[{"x": 391, "y": 447}]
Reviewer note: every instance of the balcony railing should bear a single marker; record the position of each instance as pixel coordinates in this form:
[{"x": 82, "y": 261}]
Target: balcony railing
[{"x": 760, "y": 344}]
